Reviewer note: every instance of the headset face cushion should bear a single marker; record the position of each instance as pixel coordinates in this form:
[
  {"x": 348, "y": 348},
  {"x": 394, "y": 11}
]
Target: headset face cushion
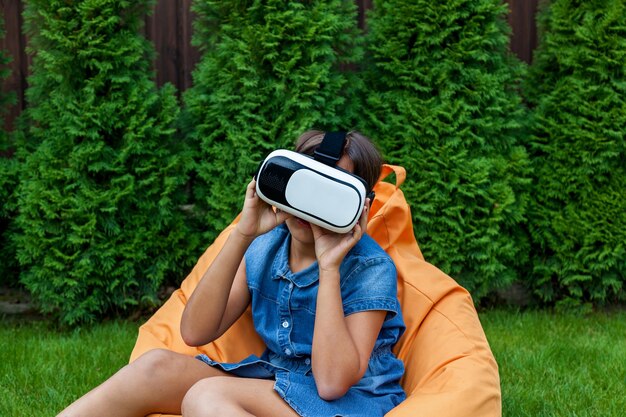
[{"x": 318, "y": 193}]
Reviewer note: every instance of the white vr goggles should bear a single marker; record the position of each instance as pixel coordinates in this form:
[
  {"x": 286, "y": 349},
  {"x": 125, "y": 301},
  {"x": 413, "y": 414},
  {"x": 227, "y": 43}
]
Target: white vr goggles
[{"x": 313, "y": 188}]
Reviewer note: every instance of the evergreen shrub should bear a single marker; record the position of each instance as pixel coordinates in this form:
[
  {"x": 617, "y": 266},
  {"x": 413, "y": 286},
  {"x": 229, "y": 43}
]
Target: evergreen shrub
[
  {"x": 442, "y": 94},
  {"x": 269, "y": 71},
  {"x": 577, "y": 91},
  {"x": 98, "y": 201},
  {"x": 8, "y": 179}
]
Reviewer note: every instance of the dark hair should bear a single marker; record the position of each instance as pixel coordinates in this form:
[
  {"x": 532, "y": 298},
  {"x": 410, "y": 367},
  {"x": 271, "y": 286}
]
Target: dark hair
[{"x": 362, "y": 152}]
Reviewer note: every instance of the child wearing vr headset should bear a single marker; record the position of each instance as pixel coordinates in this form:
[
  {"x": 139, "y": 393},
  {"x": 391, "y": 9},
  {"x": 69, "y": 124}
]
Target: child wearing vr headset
[{"x": 324, "y": 303}]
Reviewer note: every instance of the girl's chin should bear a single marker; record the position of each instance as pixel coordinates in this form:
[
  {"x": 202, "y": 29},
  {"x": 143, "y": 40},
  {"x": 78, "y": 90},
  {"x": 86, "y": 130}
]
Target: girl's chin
[{"x": 300, "y": 228}]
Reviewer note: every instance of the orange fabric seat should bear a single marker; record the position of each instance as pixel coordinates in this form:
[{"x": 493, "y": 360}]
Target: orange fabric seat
[{"x": 450, "y": 370}]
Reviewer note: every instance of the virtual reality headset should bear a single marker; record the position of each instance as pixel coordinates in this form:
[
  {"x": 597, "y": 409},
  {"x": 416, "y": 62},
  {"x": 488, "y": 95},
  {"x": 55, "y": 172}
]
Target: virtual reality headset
[{"x": 314, "y": 188}]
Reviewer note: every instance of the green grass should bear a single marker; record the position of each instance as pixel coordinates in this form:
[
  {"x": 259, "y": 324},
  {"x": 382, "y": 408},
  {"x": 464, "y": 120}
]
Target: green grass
[
  {"x": 42, "y": 369},
  {"x": 550, "y": 364},
  {"x": 558, "y": 364}
]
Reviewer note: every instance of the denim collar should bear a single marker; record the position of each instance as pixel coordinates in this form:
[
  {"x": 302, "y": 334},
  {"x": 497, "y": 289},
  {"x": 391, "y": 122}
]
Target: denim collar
[{"x": 280, "y": 266}]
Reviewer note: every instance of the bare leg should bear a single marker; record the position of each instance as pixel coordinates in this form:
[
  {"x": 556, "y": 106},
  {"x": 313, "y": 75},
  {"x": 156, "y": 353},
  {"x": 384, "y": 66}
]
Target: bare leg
[
  {"x": 226, "y": 396},
  {"x": 156, "y": 382}
]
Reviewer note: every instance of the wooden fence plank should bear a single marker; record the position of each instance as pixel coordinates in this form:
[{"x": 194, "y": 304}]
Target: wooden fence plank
[
  {"x": 189, "y": 54},
  {"x": 165, "y": 36},
  {"x": 363, "y": 7},
  {"x": 522, "y": 21},
  {"x": 170, "y": 29},
  {"x": 14, "y": 45}
]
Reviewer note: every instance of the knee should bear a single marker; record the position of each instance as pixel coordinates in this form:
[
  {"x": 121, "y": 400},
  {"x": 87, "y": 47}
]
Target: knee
[
  {"x": 155, "y": 364},
  {"x": 207, "y": 398}
]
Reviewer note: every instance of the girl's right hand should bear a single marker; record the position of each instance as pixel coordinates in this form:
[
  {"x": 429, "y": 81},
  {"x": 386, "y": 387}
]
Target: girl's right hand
[{"x": 258, "y": 217}]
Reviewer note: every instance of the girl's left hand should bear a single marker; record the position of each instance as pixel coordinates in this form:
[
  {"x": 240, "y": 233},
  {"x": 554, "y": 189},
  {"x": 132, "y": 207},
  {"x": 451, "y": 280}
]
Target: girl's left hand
[
  {"x": 331, "y": 247},
  {"x": 258, "y": 217}
]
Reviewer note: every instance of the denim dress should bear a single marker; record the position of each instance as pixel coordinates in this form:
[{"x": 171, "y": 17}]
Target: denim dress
[{"x": 283, "y": 311}]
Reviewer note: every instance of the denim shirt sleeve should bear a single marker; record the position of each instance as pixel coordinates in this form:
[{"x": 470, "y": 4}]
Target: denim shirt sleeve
[{"x": 369, "y": 281}]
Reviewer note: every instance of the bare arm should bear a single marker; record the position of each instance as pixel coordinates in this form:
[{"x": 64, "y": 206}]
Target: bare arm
[
  {"x": 222, "y": 294},
  {"x": 342, "y": 346},
  {"x": 220, "y": 297}
]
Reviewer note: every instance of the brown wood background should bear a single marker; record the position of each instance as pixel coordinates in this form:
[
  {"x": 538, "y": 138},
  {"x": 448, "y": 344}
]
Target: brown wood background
[{"x": 169, "y": 27}]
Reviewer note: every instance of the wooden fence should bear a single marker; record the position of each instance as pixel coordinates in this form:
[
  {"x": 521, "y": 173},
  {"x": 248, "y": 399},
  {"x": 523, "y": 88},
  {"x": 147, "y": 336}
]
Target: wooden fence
[{"x": 169, "y": 27}]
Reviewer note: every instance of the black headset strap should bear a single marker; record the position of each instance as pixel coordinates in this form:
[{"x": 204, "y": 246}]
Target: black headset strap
[{"x": 330, "y": 150}]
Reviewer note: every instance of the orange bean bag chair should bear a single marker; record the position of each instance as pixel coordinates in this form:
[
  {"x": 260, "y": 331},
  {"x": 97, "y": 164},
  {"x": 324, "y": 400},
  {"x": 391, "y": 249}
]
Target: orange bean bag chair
[{"x": 449, "y": 368}]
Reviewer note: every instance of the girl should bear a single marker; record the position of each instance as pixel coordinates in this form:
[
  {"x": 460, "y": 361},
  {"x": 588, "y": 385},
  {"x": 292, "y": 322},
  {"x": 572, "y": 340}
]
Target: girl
[{"x": 324, "y": 303}]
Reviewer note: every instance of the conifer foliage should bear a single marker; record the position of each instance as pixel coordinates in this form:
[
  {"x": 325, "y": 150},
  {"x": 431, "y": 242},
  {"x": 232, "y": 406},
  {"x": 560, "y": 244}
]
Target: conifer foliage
[
  {"x": 99, "y": 218},
  {"x": 8, "y": 179},
  {"x": 577, "y": 90},
  {"x": 441, "y": 95},
  {"x": 269, "y": 71}
]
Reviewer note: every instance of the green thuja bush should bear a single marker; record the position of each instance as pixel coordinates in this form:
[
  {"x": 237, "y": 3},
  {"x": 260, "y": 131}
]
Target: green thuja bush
[
  {"x": 442, "y": 94},
  {"x": 8, "y": 180},
  {"x": 269, "y": 71},
  {"x": 98, "y": 205},
  {"x": 577, "y": 90}
]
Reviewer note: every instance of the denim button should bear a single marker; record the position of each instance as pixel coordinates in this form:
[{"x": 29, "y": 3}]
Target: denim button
[
  {"x": 307, "y": 361},
  {"x": 285, "y": 324},
  {"x": 288, "y": 351}
]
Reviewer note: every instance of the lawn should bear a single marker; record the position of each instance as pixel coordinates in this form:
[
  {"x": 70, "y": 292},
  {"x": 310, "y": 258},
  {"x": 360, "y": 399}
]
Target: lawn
[
  {"x": 560, "y": 365},
  {"x": 42, "y": 369},
  {"x": 550, "y": 365}
]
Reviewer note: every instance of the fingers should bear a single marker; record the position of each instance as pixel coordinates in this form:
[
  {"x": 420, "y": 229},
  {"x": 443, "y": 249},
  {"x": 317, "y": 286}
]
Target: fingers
[
  {"x": 357, "y": 232},
  {"x": 364, "y": 216},
  {"x": 361, "y": 227},
  {"x": 251, "y": 189},
  {"x": 317, "y": 231}
]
